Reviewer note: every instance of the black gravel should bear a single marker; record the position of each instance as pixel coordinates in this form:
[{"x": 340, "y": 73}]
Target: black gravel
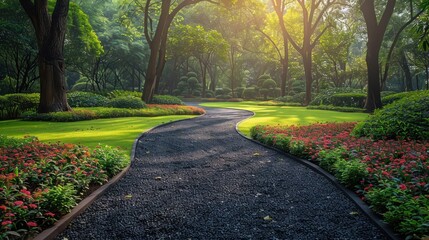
[{"x": 198, "y": 179}]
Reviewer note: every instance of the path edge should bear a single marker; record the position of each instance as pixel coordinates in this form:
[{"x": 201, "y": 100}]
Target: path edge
[
  {"x": 383, "y": 226},
  {"x": 59, "y": 226}
]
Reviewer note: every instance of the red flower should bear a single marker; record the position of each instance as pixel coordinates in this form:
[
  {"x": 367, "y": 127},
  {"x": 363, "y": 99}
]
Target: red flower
[
  {"x": 18, "y": 203},
  {"x": 4, "y": 223},
  {"x": 32, "y": 205},
  {"x": 32, "y": 224},
  {"x": 26, "y": 192},
  {"x": 3, "y": 207},
  {"x": 49, "y": 214},
  {"x": 402, "y": 186}
]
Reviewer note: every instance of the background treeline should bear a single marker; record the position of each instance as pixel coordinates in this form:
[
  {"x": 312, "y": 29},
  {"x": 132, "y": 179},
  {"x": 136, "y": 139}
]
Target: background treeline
[{"x": 220, "y": 51}]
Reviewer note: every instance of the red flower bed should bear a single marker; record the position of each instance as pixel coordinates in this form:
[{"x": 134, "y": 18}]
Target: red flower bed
[
  {"x": 31, "y": 179},
  {"x": 400, "y": 166}
]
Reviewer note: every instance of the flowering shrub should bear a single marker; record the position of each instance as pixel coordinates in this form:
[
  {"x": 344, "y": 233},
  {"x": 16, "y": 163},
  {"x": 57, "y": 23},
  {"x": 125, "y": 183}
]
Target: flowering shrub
[
  {"x": 391, "y": 175},
  {"x": 40, "y": 182}
]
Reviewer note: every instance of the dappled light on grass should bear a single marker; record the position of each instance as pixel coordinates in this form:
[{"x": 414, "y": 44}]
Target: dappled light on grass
[
  {"x": 117, "y": 132},
  {"x": 285, "y": 115}
]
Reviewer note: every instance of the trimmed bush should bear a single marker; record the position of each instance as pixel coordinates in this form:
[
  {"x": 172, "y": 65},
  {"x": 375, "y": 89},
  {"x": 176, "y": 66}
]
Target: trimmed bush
[
  {"x": 299, "y": 97},
  {"x": 86, "y": 99},
  {"x": 123, "y": 93},
  {"x": 336, "y": 108},
  {"x": 398, "y": 96},
  {"x": 166, "y": 99},
  {"x": 13, "y": 105},
  {"x": 250, "y": 93},
  {"x": 407, "y": 118},
  {"x": 126, "y": 102},
  {"x": 356, "y": 100},
  {"x": 71, "y": 116}
]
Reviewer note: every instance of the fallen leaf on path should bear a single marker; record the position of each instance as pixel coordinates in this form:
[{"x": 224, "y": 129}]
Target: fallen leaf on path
[
  {"x": 268, "y": 218},
  {"x": 158, "y": 178},
  {"x": 354, "y": 213},
  {"x": 129, "y": 196},
  {"x": 256, "y": 154}
]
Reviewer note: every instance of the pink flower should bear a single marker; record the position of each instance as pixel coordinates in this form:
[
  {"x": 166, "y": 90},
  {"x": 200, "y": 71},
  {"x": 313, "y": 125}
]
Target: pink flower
[
  {"x": 32, "y": 205},
  {"x": 32, "y": 224},
  {"x": 10, "y": 215},
  {"x": 26, "y": 192},
  {"x": 4, "y": 223},
  {"x": 49, "y": 214},
  {"x": 3, "y": 207},
  {"x": 403, "y": 186},
  {"x": 18, "y": 203}
]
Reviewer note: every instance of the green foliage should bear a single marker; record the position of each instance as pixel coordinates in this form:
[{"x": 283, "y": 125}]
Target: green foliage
[
  {"x": 70, "y": 116},
  {"x": 326, "y": 97},
  {"x": 111, "y": 160},
  {"x": 381, "y": 196},
  {"x": 350, "y": 173},
  {"x": 297, "y": 148},
  {"x": 126, "y": 102},
  {"x": 336, "y": 108},
  {"x": 166, "y": 99},
  {"x": 407, "y": 118},
  {"x": 356, "y": 100},
  {"x": 397, "y": 96},
  {"x": 239, "y": 92},
  {"x": 10, "y": 142},
  {"x": 299, "y": 97},
  {"x": 60, "y": 199},
  {"x": 411, "y": 217},
  {"x": 13, "y": 105},
  {"x": 108, "y": 112},
  {"x": 86, "y": 99},
  {"x": 284, "y": 99},
  {"x": 250, "y": 93},
  {"x": 282, "y": 142},
  {"x": 269, "y": 84},
  {"x": 328, "y": 158},
  {"x": 123, "y": 93}
]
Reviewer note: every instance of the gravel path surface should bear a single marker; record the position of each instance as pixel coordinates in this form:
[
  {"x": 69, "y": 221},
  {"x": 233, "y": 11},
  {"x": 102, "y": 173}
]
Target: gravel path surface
[{"x": 198, "y": 179}]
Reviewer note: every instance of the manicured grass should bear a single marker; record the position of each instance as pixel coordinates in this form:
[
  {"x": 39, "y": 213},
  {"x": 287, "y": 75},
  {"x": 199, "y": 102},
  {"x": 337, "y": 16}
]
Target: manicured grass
[
  {"x": 116, "y": 132},
  {"x": 274, "y": 115}
]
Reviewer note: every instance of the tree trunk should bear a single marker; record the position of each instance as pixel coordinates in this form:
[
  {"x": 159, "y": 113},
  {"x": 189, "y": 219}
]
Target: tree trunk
[
  {"x": 406, "y": 68},
  {"x": 308, "y": 65},
  {"x": 375, "y": 32},
  {"x": 50, "y": 34}
]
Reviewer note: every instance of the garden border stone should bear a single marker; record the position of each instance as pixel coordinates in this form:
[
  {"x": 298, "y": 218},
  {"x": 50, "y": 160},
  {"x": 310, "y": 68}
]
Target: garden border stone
[
  {"x": 386, "y": 228},
  {"x": 60, "y": 225}
]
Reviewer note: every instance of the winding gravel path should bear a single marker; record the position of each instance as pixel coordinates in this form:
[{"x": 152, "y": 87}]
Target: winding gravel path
[{"x": 198, "y": 179}]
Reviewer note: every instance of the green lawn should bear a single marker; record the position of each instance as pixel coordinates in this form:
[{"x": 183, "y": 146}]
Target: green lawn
[
  {"x": 116, "y": 132},
  {"x": 274, "y": 115}
]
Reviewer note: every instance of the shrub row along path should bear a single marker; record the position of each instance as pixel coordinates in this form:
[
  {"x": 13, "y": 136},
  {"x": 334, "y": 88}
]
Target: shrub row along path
[{"x": 198, "y": 179}]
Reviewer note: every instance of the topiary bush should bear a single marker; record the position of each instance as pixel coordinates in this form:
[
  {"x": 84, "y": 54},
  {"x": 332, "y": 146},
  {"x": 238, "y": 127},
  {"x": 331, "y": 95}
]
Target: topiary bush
[
  {"x": 407, "y": 118},
  {"x": 86, "y": 99},
  {"x": 126, "y": 102},
  {"x": 166, "y": 99},
  {"x": 250, "y": 93}
]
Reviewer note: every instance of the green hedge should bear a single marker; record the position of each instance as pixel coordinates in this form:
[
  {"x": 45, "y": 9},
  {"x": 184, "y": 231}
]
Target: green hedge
[
  {"x": 13, "y": 105},
  {"x": 86, "y": 99},
  {"x": 336, "y": 108},
  {"x": 356, "y": 100},
  {"x": 126, "y": 102},
  {"x": 398, "y": 96},
  {"x": 167, "y": 99},
  {"x": 407, "y": 118},
  {"x": 123, "y": 93}
]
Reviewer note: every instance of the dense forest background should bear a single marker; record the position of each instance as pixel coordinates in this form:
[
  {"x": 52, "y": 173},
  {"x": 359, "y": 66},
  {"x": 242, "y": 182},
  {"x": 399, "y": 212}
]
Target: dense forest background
[{"x": 254, "y": 49}]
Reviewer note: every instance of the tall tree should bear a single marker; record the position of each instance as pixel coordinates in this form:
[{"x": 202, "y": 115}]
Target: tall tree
[
  {"x": 158, "y": 40},
  {"x": 280, "y": 9},
  {"x": 375, "y": 32},
  {"x": 313, "y": 14},
  {"x": 50, "y": 33}
]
